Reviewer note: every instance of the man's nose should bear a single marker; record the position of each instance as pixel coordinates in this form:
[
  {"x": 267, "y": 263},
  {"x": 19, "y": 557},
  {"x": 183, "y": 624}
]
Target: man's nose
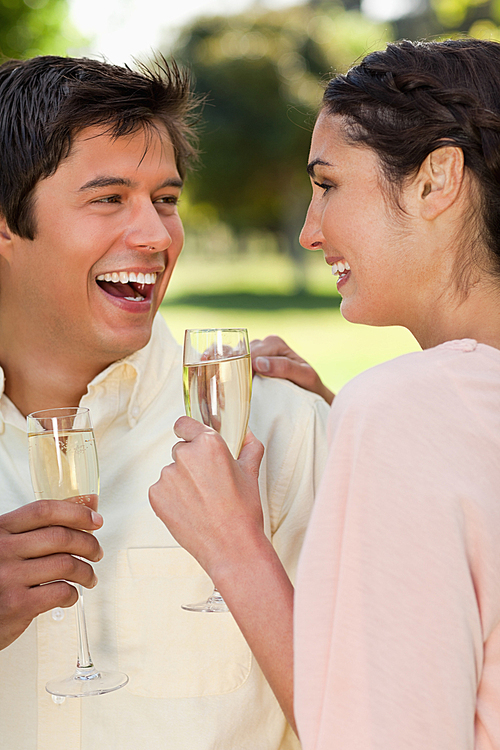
[{"x": 147, "y": 231}]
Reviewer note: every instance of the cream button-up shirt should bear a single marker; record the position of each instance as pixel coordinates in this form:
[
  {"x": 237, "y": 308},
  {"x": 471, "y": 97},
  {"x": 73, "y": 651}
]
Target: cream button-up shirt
[{"x": 194, "y": 684}]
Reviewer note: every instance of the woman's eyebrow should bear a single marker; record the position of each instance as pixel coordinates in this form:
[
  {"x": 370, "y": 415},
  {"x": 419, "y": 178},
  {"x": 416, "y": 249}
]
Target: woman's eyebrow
[{"x": 313, "y": 164}]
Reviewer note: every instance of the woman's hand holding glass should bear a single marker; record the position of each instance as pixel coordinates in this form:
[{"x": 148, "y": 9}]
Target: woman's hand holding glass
[{"x": 214, "y": 515}]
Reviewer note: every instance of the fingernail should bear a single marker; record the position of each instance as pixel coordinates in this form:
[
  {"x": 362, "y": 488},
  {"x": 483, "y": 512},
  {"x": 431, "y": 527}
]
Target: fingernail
[
  {"x": 97, "y": 519},
  {"x": 95, "y": 581},
  {"x": 262, "y": 364}
]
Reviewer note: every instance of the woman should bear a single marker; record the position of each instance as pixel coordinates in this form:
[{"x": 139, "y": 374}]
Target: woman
[{"x": 397, "y": 611}]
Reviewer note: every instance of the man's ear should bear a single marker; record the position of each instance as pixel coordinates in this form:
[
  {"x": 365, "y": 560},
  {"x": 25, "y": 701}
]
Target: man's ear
[
  {"x": 5, "y": 239},
  {"x": 439, "y": 180}
]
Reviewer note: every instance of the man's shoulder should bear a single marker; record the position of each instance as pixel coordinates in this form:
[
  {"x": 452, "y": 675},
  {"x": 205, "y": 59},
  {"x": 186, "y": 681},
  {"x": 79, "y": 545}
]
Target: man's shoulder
[{"x": 279, "y": 405}]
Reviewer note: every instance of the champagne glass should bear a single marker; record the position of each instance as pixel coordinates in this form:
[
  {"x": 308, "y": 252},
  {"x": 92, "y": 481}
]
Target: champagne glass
[
  {"x": 217, "y": 388},
  {"x": 63, "y": 466}
]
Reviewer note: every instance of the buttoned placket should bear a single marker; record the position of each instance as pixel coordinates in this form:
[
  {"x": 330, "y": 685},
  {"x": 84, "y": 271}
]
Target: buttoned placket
[{"x": 58, "y": 722}]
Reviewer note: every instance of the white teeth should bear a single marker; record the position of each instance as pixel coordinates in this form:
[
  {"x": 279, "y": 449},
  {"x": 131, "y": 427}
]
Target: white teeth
[
  {"x": 123, "y": 277},
  {"x": 340, "y": 267}
]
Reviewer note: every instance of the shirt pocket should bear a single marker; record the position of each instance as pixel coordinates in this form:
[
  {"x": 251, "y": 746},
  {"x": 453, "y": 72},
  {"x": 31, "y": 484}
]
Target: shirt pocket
[{"x": 166, "y": 651}]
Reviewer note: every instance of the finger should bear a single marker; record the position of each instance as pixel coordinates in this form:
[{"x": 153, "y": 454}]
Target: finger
[
  {"x": 52, "y": 595},
  {"x": 283, "y": 367},
  {"x": 41, "y": 513},
  {"x": 188, "y": 429},
  {"x": 23, "y": 605},
  {"x": 271, "y": 346},
  {"x": 50, "y": 540},
  {"x": 51, "y": 568},
  {"x": 251, "y": 454}
]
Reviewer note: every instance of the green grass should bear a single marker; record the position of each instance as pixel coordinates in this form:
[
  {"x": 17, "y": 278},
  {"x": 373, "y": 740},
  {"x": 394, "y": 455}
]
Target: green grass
[{"x": 257, "y": 292}]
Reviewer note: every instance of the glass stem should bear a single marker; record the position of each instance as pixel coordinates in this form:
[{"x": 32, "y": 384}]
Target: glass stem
[{"x": 84, "y": 660}]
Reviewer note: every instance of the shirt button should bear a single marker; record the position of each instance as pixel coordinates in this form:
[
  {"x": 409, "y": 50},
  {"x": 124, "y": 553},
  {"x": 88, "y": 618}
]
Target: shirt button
[
  {"x": 58, "y": 614},
  {"x": 135, "y": 411}
]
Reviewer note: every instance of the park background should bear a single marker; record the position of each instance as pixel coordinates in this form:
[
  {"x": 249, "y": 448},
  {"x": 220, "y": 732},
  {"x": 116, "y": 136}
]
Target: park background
[{"x": 261, "y": 67}]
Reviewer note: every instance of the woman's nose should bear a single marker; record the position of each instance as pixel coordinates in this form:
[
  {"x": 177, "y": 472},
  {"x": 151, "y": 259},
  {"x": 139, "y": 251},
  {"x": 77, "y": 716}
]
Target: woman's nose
[{"x": 311, "y": 236}]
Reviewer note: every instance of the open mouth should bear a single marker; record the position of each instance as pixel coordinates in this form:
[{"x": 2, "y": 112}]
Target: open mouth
[
  {"x": 128, "y": 285},
  {"x": 340, "y": 268}
]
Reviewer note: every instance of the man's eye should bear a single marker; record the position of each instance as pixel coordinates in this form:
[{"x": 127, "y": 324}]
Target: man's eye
[
  {"x": 108, "y": 199},
  {"x": 168, "y": 199}
]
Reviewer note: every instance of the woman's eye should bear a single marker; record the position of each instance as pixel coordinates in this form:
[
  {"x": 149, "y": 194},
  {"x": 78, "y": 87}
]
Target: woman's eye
[{"x": 324, "y": 187}]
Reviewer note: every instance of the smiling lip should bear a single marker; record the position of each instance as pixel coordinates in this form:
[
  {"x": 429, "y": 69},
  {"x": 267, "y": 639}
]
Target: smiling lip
[
  {"x": 132, "y": 291},
  {"x": 339, "y": 266}
]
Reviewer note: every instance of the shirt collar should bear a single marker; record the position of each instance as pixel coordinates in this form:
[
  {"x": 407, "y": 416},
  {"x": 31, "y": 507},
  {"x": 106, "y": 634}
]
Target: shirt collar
[
  {"x": 8, "y": 412},
  {"x": 146, "y": 370},
  {"x": 142, "y": 375}
]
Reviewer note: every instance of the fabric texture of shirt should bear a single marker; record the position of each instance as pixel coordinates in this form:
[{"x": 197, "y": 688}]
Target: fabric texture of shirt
[
  {"x": 397, "y": 621},
  {"x": 193, "y": 682}
]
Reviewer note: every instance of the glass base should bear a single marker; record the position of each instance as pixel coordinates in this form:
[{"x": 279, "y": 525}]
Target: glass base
[
  {"x": 214, "y": 603},
  {"x": 87, "y": 682}
]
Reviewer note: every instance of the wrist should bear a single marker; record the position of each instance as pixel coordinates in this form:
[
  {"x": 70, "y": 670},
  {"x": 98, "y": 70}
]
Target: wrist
[{"x": 240, "y": 555}]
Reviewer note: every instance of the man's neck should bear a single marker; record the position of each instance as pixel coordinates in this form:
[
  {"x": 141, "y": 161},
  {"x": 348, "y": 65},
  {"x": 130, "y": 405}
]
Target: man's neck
[{"x": 33, "y": 382}]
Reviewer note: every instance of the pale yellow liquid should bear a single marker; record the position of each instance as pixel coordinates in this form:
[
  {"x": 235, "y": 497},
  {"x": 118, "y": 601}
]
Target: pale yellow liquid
[
  {"x": 217, "y": 393},
  {"x": 64, "y": 466}
]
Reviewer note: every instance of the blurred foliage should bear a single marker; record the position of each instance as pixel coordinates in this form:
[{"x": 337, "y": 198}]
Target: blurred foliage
[
  {"x": 442, "y": 19},
  {"x": 261, "y": 72},
  {"x": 34, "y": 27}
]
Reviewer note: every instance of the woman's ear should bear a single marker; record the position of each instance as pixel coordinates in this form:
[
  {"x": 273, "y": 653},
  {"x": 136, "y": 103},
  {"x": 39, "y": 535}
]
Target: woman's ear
[
  {"x": 5, "y": 239},
  {"x": 439, "y": 180}
]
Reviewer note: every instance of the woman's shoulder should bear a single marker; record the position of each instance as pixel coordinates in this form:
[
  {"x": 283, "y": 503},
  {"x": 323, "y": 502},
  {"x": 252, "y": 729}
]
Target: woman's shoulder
[{"x": 425, "y": 380}]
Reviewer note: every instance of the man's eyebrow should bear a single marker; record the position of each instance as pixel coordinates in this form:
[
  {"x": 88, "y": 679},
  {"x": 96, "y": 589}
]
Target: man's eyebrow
[
  {"x": 105, "y": 181},
  {"x": 111, "y": 181},
  {"x": 171, "y": 182},
  {"x": 317, "y": 162}
]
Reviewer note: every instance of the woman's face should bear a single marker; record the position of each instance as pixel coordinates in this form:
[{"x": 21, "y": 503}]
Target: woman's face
[{"x": 373, "y": 249}]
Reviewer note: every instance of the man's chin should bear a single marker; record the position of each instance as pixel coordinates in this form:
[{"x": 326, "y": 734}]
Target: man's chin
[{"x": 123, "y": 345}]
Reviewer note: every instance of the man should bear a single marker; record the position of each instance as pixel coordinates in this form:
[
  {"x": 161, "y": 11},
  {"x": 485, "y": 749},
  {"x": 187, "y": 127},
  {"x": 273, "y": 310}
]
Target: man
[{"x": 92, "y": 160}]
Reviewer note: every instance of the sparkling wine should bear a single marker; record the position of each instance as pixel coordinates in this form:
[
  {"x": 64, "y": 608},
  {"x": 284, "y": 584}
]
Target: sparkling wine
[
  {"x": 217, "y": 393},
  {"x": 64, "y": 465}
]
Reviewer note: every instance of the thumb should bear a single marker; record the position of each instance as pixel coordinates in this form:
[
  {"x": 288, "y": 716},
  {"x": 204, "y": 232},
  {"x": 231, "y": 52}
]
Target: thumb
[{"x": 251, "y": 454}]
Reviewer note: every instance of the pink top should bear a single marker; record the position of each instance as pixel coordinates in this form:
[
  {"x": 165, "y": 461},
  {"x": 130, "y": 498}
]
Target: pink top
[{"x": 397, "y": 624}]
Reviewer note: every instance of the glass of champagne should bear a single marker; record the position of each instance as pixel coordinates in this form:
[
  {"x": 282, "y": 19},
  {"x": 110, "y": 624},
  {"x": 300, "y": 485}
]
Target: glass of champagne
[
  {"x": 63, "y": 466},
  {"x": 217, "y": 389}
]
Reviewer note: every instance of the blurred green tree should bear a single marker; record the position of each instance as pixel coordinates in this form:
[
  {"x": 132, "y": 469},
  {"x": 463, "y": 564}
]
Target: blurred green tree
[
  {"x": 441, "y": 19},
  {"x": 33, "y": 27},
  {"x": 261, "y": 73}
]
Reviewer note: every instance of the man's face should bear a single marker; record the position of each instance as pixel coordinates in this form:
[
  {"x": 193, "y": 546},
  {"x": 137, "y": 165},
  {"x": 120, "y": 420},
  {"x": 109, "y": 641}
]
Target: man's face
[{"x": 107, "y": 238}]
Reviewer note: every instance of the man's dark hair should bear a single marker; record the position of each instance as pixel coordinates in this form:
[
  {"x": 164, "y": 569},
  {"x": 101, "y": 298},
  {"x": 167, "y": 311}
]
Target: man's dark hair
[
  {"x": 415, "y": 97},
  {"x": 46, "y": 101}
]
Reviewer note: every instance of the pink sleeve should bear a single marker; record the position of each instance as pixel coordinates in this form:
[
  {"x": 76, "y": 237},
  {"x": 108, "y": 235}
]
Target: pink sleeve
[{"x": 388, "y": 629}]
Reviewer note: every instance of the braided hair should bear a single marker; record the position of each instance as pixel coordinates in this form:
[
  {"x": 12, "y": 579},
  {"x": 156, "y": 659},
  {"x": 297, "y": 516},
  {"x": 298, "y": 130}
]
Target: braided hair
[{"x": 415, "y": 97}]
